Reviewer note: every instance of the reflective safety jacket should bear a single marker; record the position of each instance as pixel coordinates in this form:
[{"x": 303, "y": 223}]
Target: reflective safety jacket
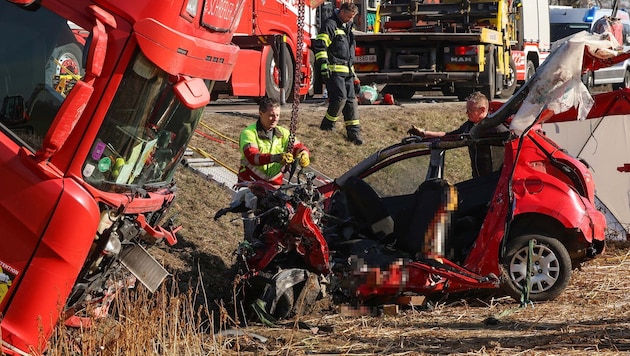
[
  {"x": 335, "y": 45},
  {"x": 257, "y": 149}
]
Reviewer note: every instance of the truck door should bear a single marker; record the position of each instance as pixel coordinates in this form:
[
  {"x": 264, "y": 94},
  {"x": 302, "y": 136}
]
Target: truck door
[{"x": 28, "y": 105}]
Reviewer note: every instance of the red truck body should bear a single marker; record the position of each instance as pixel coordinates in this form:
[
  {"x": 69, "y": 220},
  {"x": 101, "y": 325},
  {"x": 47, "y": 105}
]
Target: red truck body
[
  {"x": 99, "y": 100},
  {"x": 268, "y": 37}
]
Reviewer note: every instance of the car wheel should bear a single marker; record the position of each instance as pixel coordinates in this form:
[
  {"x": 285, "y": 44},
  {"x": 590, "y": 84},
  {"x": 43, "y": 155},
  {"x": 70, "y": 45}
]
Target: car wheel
[
  {"x": 311, "y": 64},
  {"x": 400, "y": 91},
  {"x": 550, "y": 267},
  {"x": 463, "y": 93}
]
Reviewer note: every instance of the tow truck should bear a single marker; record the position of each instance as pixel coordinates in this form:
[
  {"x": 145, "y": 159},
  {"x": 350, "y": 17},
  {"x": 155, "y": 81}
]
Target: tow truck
[{"x": 457, "y": 46}]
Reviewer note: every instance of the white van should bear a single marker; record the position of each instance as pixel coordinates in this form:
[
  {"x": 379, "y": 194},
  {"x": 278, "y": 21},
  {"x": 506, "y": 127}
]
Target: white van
[{"x": 565, "y": 21}]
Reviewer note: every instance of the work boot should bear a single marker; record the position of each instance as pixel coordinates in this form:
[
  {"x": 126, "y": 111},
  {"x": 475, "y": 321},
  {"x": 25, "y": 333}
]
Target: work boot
[
  {"x": 327, "y": 125},
  {"x": 354, "y": 136}
]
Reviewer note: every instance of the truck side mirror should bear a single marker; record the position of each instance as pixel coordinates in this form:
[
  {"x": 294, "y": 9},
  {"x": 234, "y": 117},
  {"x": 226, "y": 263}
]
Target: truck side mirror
[
  {"x": 98, "y": 42},
  {"x": 67, "y": 117},
  {"x": 193, "y": 92}
]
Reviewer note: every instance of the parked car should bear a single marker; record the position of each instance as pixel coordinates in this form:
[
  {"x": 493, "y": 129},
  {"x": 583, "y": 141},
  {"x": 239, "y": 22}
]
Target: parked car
[{"x": 566, "y": 21}]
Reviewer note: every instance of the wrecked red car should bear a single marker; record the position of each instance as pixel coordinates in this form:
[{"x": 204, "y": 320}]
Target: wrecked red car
[{"x": 408, "y": 221}]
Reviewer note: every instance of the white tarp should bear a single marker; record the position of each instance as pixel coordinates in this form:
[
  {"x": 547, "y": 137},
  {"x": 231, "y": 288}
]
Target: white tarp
[{"x": 558, "y": 85}]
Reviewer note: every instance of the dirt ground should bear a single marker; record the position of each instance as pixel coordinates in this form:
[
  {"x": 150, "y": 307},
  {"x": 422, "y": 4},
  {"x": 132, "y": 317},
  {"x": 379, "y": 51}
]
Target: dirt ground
[{"x": 591, "y": 316}]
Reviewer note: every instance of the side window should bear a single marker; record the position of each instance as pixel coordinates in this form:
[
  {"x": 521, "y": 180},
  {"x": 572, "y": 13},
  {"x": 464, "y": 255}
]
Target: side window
[
  {"x": 39, "y": 64},
  {"x": 626, "y": 34},
  {"x": 400, "y": 178},
  {"x": 457, "y": 166}
]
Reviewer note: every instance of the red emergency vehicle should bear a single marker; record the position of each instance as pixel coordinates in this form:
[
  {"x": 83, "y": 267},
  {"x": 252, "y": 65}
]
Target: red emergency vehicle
[
  {"x": 98, "y": 102},
  {"x": 268, "y": 38}
]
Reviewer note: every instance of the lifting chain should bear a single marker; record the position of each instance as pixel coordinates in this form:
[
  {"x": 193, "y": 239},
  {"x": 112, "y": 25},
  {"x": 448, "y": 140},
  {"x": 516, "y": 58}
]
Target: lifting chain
[{"x": 297, "y": 75}]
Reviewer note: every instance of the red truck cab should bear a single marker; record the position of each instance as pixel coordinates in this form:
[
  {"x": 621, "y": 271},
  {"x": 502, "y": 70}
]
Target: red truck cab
[{"x": 98, "y": 102}]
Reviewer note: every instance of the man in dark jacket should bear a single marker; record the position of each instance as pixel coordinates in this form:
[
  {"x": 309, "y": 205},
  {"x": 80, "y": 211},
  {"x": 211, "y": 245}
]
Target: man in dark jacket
[
  {"x": 334, "y": 54},
  {"x": 484, "y": 159}
]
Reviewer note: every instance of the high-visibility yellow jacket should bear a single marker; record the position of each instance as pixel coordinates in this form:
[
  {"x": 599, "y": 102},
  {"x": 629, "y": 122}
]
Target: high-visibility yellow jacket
[{"x": 257, "y": 149}]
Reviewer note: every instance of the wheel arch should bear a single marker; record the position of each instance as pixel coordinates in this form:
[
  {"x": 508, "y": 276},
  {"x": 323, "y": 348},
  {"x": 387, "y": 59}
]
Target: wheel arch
[
  {"x": 534, "y": 58},
  {"x": 536, "y": 223}
]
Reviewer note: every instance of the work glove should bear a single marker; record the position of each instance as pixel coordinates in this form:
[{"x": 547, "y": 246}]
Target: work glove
[
  {"x": 303, "y": 159},
  {"x": 357, "y": 86},
  {"x": 325, "y": 71},
  {"x": 414, "y": 130},
  {"x": 284, "y": 158}
]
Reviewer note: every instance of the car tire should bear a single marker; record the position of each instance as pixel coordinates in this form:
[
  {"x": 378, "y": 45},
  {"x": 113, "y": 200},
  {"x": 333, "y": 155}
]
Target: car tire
[
  {"x": 463, "y": 93},
  {"x": 400, "y": 91},
  {"x": 551, "y": 263},
  {"x": 311, "y": 64}
]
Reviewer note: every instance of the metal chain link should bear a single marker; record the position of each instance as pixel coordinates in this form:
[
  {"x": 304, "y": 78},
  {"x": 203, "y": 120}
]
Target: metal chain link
[{"x": 296, "y": 75}]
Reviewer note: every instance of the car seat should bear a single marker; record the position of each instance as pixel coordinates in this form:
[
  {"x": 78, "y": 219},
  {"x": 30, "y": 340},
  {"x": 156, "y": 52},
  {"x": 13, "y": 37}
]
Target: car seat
[
  {"x": 367, "y": 207},
  {"x": 429, "y": 225}
]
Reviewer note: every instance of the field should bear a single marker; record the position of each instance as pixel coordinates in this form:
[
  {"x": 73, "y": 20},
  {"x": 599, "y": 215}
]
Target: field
[{"x": 591, "y": 316}]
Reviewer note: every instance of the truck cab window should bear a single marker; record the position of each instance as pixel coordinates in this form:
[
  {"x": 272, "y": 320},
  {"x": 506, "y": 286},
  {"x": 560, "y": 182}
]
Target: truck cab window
[
  {"x": 144, "y": 133},
  {"x": 40, "y": 61}
]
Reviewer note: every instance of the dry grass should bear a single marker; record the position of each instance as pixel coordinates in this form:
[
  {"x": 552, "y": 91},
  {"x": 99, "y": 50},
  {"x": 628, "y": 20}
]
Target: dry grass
[{"x": 591, "y": 316}]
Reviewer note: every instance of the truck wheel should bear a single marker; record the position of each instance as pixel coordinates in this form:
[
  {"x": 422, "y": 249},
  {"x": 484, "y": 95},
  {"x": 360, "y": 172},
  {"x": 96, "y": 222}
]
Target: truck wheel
[
  {"x": 448, "y": 89},
  {"x": 272, "y": 82},
  {"x": 311, "y": 64},
  {"x": 510, "y": 84},
  {"x": 489, "y": 80},
  {"x": 625, "y": 83},
  {"x": 529, "y": 70},
  {"x": 66, "y": 58},
  {"x": 550, "y": 267}
]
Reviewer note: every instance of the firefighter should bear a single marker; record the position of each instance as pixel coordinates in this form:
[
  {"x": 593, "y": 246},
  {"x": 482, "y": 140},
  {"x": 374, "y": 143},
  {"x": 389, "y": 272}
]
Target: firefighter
[
  {"x": 264, "y": 155},
  {"x": 334, "y": 53},
  {"x": 264, "y": 144}
]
